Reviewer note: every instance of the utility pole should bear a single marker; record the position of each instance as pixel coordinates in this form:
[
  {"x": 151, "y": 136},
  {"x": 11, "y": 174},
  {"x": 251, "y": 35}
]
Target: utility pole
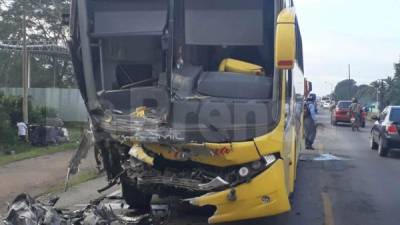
[{"x": 25, "y": 69}]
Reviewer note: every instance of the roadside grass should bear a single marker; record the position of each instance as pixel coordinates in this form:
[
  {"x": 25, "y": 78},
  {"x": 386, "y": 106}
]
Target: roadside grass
[
  {"x": 81, "y": 177},
  {"x": 27, "y": 151}
]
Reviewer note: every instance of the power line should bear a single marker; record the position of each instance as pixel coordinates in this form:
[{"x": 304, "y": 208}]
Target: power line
[{"x": 35, "y": 47}]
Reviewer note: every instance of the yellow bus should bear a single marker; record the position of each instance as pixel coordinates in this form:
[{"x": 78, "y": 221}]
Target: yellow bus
[{"x": 199, "y": 100}]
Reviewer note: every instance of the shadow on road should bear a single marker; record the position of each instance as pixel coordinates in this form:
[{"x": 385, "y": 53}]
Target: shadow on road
[{"x": 394, "y": 154}]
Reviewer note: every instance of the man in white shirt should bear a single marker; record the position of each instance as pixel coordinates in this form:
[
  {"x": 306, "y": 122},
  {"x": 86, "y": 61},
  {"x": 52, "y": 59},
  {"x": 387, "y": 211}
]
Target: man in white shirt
[
  {"x": 65, "y": 133},
  {"x": 22, "y": 131}
]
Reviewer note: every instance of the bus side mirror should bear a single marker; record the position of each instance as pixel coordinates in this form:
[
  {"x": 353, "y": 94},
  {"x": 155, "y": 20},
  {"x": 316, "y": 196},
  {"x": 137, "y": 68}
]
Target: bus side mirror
[{"x": 285, "y": 40}]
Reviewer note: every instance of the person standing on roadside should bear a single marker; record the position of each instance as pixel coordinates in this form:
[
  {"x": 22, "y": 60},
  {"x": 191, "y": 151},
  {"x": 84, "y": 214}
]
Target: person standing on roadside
[
  {"x": 355, "y": 111},
  {"x": 310, "y": 122},
  {"x": 22, "y": 131}
]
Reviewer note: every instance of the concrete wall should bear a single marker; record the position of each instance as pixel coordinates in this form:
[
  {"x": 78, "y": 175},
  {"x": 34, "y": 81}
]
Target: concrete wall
[{"x": 68, "y": 102}]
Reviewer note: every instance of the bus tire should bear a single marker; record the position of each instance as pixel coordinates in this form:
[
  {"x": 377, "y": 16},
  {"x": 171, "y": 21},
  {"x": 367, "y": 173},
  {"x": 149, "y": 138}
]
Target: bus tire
[
  {"x": 382, "y": 150},
  {"x": 135, "y": 198},
  {"x": 373, "y": 144}
]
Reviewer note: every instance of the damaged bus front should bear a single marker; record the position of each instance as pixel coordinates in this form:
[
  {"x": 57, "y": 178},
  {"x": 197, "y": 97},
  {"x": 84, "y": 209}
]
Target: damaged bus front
[{"x": 200, "y": 100}]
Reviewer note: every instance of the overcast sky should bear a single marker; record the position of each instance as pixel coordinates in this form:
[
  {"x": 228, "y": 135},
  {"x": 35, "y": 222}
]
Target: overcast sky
[{"x": 363, "y": 33}]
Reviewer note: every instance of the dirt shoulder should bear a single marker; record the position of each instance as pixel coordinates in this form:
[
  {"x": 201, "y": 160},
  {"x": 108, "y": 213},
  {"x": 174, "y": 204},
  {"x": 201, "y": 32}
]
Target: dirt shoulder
[{"x": 35, "y": 176}]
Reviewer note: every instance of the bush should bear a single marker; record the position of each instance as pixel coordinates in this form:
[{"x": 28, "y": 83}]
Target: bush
[
  {"x": 47, "y": 112},
  {"x": 11, "y": 114},
  {"x": 12, "y": 105},
  {"x": 8, "y": 135}
]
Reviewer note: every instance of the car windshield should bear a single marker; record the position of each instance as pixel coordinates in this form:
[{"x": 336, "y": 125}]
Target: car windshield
[
  {"x": 395, "y": 115},
  {"x": 344, "y": 105}
]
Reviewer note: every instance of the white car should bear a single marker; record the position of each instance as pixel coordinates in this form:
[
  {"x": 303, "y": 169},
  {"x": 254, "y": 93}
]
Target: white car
[{"x": 327, "y": 105}]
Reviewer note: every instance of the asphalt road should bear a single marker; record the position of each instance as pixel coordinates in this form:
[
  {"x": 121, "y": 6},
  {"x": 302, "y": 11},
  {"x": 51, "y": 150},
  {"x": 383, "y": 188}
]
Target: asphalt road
[
  {"x": 33, "y": 175},
  {"x": 342, "y": 182}
]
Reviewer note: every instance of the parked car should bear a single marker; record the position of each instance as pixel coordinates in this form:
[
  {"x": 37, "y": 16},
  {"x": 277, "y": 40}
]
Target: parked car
[
  {"x": 49, "y": 132},
  {"x": 341, "y": 114},
  {"x": 324, "y": 100},
  {"x": 385, "y": 132}
]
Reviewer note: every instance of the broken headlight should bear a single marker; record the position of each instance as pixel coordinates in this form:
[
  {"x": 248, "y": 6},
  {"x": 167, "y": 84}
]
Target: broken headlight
[
  {"x": 250, "y": 170},
  {"x": 269, "y": 160}
]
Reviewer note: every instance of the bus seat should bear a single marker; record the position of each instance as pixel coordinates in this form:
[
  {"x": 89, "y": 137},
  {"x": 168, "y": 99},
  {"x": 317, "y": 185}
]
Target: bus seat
[{"x": 234, "y": 85}]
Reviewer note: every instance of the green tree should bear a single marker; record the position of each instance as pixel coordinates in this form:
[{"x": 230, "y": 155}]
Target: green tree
[
  {"x": 345, "y": 89},
  {"x": 395, "y": 87},
  {"x": 12, "y": 106},
  {"x": 397, "y": 70},
  {"x": 366, "y": 94},
  {"x": 43, "y": 24}
]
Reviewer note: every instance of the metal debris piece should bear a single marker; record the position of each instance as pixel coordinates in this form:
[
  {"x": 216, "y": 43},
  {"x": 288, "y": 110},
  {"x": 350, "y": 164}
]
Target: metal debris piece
[
  {"x": 140, "y": 126},
  {"x": 138, "y": 152},
  {"x": 217, "y": 182},
  {"x": 328, "y": 157},
  {"x": 26, "y": 210},
  {"x": 87, "y": 142}
]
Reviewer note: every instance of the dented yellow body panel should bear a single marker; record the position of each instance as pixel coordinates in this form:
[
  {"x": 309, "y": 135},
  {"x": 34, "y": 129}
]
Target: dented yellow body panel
[
  {"x": 263, "y": 192},
  {"x": 265, "y": 195},
  {"x": 228, "y": 154}
]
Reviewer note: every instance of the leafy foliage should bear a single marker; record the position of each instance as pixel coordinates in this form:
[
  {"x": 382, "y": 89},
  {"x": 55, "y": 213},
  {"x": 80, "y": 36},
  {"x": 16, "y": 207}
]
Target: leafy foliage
[
  {"x": 389, "y": 88},
  {"x": 7, "y": 134},
  {"x": 366, "y": 94},
  {"x": 10, "y": 114},
  {"x": 43, "y": 25},
  {"x": 386, "y": 90},
  {"x": 345, "y": 89}
]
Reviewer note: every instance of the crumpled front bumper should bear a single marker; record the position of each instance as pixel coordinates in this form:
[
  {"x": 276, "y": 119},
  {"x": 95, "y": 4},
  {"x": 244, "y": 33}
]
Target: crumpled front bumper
[{"x": 264, "y": 195}]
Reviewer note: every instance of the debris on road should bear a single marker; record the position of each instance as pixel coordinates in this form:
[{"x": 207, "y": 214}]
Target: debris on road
[
  {"x": 321, "y": 157},
  {"x": 87, "y": 142},
  {"x": 26, "y": 210}
]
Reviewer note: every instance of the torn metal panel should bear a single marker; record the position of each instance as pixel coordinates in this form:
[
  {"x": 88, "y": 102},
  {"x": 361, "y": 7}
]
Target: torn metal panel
[
  {"x": 149, "y": 127},
  {"x": 215, "y": 183},
  {"x": 138, "y": 152},
  {"x": 155, "y": 173},
  {"x": 28, "y": 211},
  {"x": 87, "y": 142}
]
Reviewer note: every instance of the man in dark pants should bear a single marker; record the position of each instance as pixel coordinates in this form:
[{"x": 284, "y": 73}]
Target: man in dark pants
[{"x": 310, "y": 122}]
